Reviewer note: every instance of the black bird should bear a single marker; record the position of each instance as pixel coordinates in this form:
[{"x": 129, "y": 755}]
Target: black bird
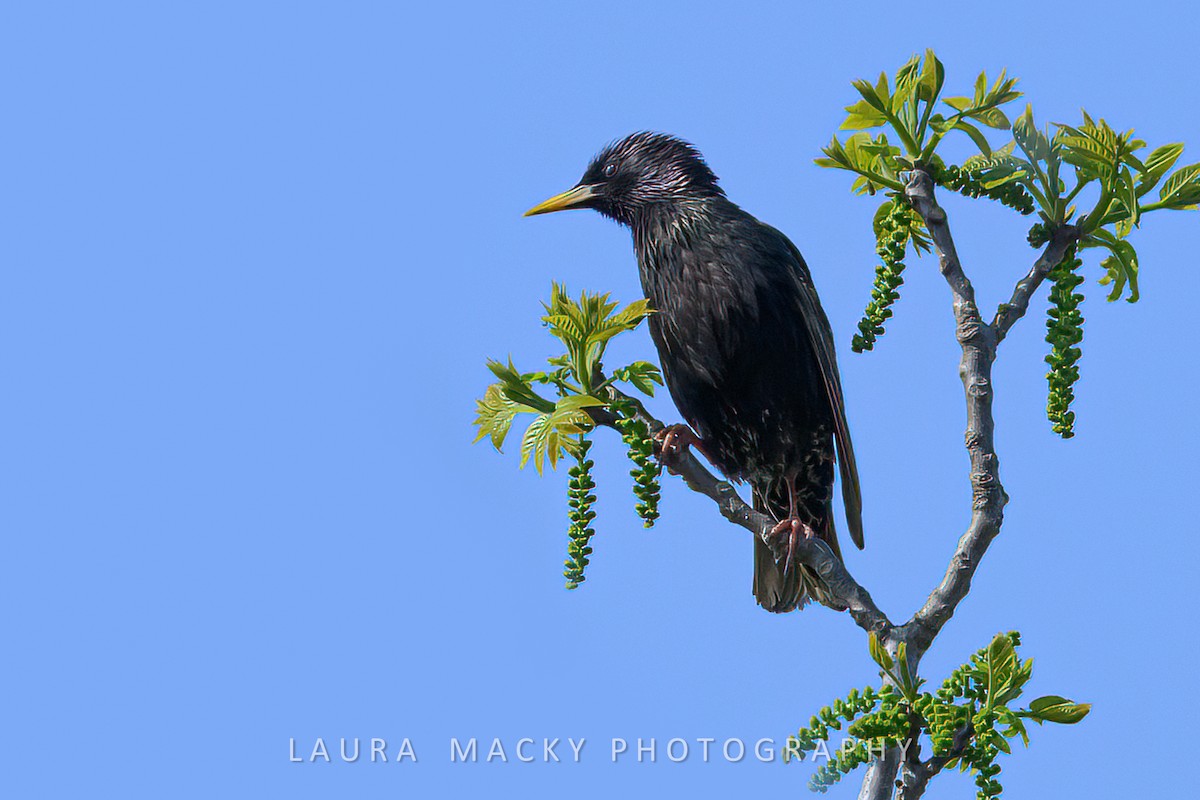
[{"x": 746, "y": 350}]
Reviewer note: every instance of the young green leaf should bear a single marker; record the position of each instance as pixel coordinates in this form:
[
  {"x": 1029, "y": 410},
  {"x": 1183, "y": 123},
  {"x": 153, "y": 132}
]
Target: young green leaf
[
  {"x": 642, "y": 374},
  {"x": 933, "y": 76},
  {"x": 1121, "y": 266},
  {"x": 1182, "y": 189},
  {"x": 1001, "y": 668},
  {"x": 879, "y": 653},
  {"x": 1158, "y": 164},
  {"x": 863, "y": 115},
  {"x": 1053, "y": 708},
  {"x": 494, "y": 415}
]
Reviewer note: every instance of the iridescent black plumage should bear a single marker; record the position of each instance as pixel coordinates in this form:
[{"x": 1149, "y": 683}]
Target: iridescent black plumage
[{"x": 746, "y": 350}]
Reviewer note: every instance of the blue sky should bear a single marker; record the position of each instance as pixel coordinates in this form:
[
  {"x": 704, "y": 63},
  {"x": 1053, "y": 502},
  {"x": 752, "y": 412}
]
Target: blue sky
[{"x": 255, "y": 256}]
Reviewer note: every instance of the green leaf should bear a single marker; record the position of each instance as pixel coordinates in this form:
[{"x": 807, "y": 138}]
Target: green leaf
[
  {"x": 533, "y": 444},
  {"x": 1128, "y": 196},
  {"x": 993, "y": 118},
  {"x": 1032, "y": 142},
  {"x": 1115, "y": 275},
  {"x": 642, "y": 374},
  {"x": 1121, "y": 267},
  {"x": 1158, "y": 164},
  {"x": 907, "y": 684},
  {"x": 879, "y": 653},
  {"x": 494, "y": 415},
  {"x": 1053, "y": 708},
  {"x": 870, "y": 95},
  {"x": 933, "y": 76},
  {"x": 576, "y": 402},
  {"x": 863, "y": 115},
  {"x": 515, "y": 386},
  {"x": 976, "y": 136},
  {"x": 550, "y": 435},
  {"x": 906, "y": 81},
  {"x": 873, "y": 159},
  {"x": 881, "y": 91},
  {"x": 632, "y": 315},
  {"x": 1182, "y": 189},
  {"x": 1015, "y": 726},
  {"x": 959, "y": 103},
  {"x": 1001, "y": 668},
  {"x": 1003, "y": 177}
]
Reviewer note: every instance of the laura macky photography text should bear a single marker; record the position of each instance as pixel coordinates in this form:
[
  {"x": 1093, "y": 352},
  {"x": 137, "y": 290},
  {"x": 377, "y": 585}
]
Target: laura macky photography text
[{"x": 526, "y": 750}]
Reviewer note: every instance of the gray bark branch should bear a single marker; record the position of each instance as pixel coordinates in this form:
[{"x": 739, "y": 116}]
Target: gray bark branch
[
  {"x": 1008, "y": 313},
  {"x": 813, "y": 553},
  {"x": 978, "y": 342},
  {"x": 880, "y": 780},
  {"x": 918, "y": 773}
]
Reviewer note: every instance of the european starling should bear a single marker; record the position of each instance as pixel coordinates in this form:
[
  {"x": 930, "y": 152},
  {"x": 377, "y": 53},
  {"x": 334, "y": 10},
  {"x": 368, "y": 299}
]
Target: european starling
[{"x": 745, "y": 348}]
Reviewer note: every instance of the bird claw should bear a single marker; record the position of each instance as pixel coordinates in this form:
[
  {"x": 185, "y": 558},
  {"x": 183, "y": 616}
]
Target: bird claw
[
  {"x": 792, "y": 531},
  {"x": 672, "y": 443}
]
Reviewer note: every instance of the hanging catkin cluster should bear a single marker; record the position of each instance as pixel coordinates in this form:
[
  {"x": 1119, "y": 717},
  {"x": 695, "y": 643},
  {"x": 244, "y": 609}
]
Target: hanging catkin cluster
[
  {"x": 891, "y": 242},
  {"x": 1064, "y": 332},
  {"x": 968, "y": 719},
  {"x": 580, "y": 500},
  {"x": 646, "y": 469},
  {"x": 972, "y": 183}
]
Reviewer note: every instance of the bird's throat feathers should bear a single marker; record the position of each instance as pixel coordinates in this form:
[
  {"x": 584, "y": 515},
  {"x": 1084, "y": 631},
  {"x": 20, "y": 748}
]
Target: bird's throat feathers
[{"x": 684, "y": 233}]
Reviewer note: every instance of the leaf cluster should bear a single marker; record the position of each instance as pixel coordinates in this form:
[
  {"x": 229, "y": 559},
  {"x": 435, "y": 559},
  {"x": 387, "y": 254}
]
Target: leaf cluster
[
  {"x": 1037, "y": 170},
  {"x": 563, "y": 401},
  {"x": 576, "y": 378},
  {"x": 909, "y": 106},
  {"x": 969, "y": 720}
]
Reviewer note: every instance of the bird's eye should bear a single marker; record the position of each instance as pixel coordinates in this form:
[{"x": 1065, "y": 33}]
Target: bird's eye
[{"x": 610, "y": 170}]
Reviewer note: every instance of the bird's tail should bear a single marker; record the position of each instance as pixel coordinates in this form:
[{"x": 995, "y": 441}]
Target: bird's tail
[{"x": 778, "y": 587}]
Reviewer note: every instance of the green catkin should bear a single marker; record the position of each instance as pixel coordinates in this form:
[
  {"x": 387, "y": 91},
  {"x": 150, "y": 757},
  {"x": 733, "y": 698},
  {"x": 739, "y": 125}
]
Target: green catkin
[
  {"x": 855, "y": 704},
  {"x": 1038, "y": 235},
  {"x": 841, "y": 763},
  {"x": 1064, "y": 332},
  {"x": 646, "y": 470},
  {"x": 580, "y": 500},
  {"x": 886, "y": 718},
  {"x": 969, "y": 184},
  {"x": 983, "y": 757},
  {"x": 891, "y": 244}
]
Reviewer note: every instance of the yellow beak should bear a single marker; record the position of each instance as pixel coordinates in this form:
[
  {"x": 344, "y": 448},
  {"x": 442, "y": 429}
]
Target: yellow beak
[{"x": 572, "y": 198}]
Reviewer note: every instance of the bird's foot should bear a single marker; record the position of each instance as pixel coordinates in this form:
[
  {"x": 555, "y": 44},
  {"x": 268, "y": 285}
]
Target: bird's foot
[
  {"x": 786, "y": 536},
  {"x": 673, "y": 442}
]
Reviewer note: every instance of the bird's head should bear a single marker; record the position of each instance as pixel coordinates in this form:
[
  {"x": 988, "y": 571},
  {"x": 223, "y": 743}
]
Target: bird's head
[{"x": 635, "y": 174}]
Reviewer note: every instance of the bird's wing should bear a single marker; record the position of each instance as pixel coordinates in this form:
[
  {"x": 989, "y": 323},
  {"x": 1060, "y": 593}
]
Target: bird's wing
[{"x": 821, "y": 336}]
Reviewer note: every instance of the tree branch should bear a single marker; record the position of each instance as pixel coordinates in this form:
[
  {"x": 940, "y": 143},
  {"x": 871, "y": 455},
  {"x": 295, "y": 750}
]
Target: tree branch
[
  {"x": 1008, "y": 313},
  {"x": 917, "y": 773},
  {"x": 813, "y": 553},
  {"x": 913, "y": 778},
  {"x": 880, "y": 781},
  {"x": 978, "y": 341}
]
